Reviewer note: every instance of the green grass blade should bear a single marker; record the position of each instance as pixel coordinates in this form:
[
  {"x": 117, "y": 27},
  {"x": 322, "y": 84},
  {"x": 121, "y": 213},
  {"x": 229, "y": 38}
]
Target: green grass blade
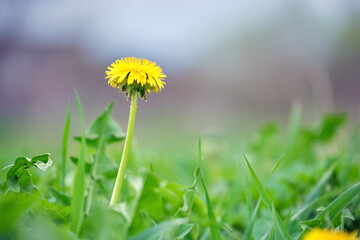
[
  {"x": 319, "y": 186},
  {"x": 280, "y": 229},
  {"x": 293, "y": 127},
  {"x": 65, "y": 146},
  {"x": 248, "y": 194},
  {"x": 263, "y": 194},
  {"x": 340, "y": 202},
  {"x": 354, "y": 145},
  {"x": 274, "y": 168},
  {"x": 308, "y": 206},
  {"x": 250, "y": 227},
  {"x": 157, "y": 230},
  {"x": 214, "y": 226},
  {"x": 286, "y": 223},
  {"x": 279, "y": 225},
  {"x": 77, "y": 204}
]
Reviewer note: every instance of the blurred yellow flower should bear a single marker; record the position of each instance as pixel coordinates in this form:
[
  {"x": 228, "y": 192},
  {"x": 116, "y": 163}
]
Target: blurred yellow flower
[
  {"x": 323, "y": 234},
  {"x": 132, "y": 75}
]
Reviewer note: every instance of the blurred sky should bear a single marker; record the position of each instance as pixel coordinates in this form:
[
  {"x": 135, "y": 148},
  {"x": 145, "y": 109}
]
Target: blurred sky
[{"x": 229, "y": 63}]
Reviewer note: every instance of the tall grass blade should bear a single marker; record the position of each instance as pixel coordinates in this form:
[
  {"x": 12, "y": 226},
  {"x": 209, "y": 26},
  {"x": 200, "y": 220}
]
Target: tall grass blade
[
  {"x": 340, "y": 202},
  {"x": 157, "y": 230},
  {"x": 77, "y": 203},
  {"x": 65, "y": 147},
  {"x": 319, "y": 186},
  {"x": 248, "y": 194},
  {"x": 214, "y": 226},
  {"x": 279, "y": 225},
  {"x": 280, "y": 229},
  {"x": 308, "y": 206},
  {"x": 354, "y": 145},
  {"x": 293, "y": 127},
  {"x": 274, "y": 169},
  {"x": 263, "y": 194},
  {"x": 250, "y": 227}
]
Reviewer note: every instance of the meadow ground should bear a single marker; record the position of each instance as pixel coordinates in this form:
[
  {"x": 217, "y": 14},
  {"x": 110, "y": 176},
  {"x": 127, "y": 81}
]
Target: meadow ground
[{"x": 279, "y": 183}]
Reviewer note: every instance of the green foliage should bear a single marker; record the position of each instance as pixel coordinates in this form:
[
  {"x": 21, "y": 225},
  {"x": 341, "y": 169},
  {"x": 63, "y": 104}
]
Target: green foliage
[
  {"x": 104, "y": 126},
  {"x": 65, "y": 147},
  {"x": 77, "y": 203},
  {"x": 315, "y": 184},
  {"x": 214, "y": 228},
  {"x": 18, "y": 177}
]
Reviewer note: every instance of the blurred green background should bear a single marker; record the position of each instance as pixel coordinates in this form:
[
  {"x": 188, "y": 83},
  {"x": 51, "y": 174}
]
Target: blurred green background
[
  {"x": 232, "y": 66},
  {"x": 248, "y": 76}
]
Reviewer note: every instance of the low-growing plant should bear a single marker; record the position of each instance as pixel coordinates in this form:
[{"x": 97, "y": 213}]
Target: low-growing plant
[{"x": 279, "y": 186}]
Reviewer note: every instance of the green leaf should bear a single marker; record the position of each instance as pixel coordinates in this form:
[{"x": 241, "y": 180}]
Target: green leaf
[
  {"x": 61, "y": 197},
  {"x": 14, "y": 207},
  {"x": 78, "y": 198},
  {"x": 182, "y": 230},
  {"x": 18, "y": 177},
  {"x": 328, "y": 128},
  {"x": 346, "y": 215},
  {"x": 214, "y": 226},
  {"x": 65, "y": 146},
  {"x": 103, "y": 125},
  {"x": 331, "y": 123},
  {"x": 88, "y": 166},
  {"x": 157, "y": 230},
  {"x": 147, "y": 205},
  {"x": 189, "y": 196},
  {"x": 308, "y": 224}
]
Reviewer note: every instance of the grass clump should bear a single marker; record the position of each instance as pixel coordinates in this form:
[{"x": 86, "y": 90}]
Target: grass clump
[{"x": 282, "y": 187}]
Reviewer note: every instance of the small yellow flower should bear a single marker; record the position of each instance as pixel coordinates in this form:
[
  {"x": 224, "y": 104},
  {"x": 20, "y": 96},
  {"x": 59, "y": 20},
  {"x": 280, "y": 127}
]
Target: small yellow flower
[
  {"x": 323, "y": 234},
  {"x": 133, "y": 75}
]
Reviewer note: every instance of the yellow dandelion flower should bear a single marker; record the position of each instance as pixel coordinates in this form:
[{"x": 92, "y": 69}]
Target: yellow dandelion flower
[
  {"x": 133, "y": 75},
  {"x": 324, "y": 234}
]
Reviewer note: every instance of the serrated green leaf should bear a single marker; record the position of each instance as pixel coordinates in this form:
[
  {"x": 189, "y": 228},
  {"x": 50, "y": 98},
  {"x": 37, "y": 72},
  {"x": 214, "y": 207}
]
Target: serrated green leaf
[
  {"x": 18, "y": 177},
  {"x": 105, "y": 125}
]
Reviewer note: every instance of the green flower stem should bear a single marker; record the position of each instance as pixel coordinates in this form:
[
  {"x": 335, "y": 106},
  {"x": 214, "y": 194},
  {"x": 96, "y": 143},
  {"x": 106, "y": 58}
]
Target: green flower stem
[{"x": 125, "y": 156}]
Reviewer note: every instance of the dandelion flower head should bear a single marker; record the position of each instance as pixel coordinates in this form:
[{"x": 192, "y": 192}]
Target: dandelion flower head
[
  {"x": 322, "y": 234},
  {"x": 135, "y": 75}
]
